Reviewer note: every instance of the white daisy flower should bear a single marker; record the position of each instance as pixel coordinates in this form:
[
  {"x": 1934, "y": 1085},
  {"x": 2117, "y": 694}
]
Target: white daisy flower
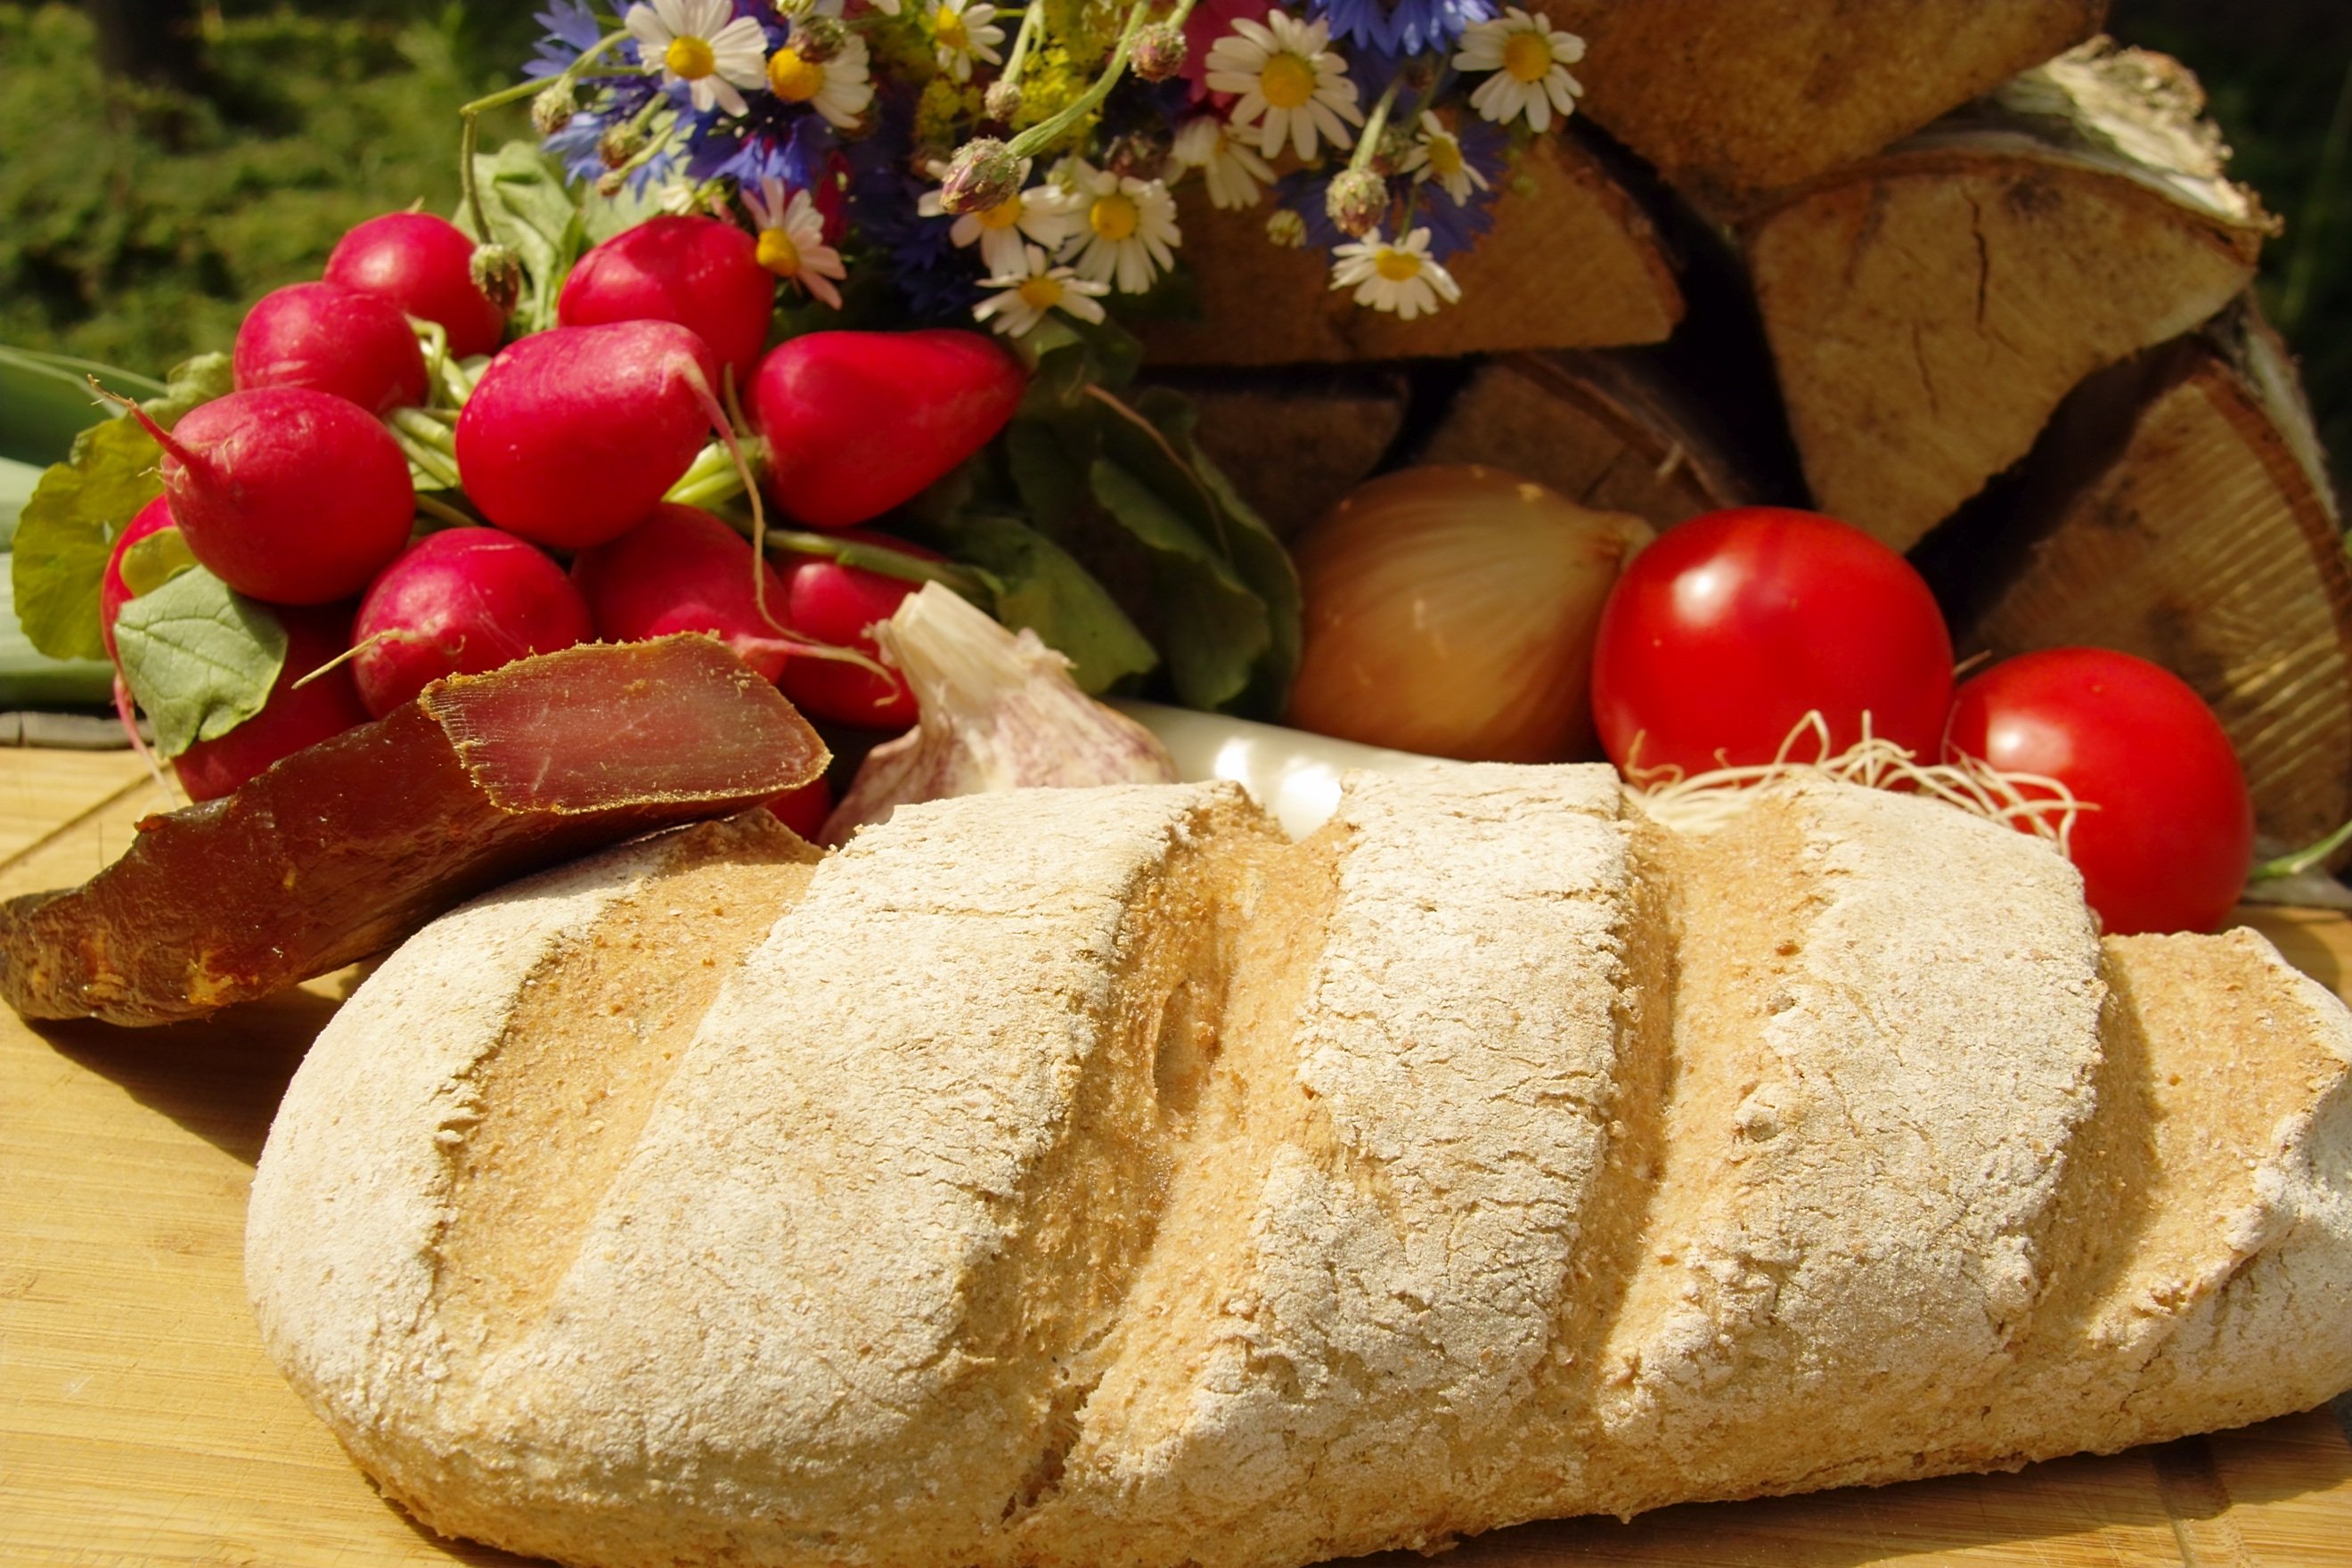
[
  {"x": 1046, "y": 215},
  {"x": 1404, "y": 278},
  {"x": 1027, "y": 291},
  {"x": 1283, "y": 72},
  {"x": 694, "y": 42},
  {"x": 1436, "y": 155},
  {"x": 788, "y": 10},
  {"x": 1234, "y": 172},
  {"x": 792, "y": 239},
  {"x": 1127, "y": 227},
  {"x": 836, "y": 87},
  {"x": 1529, "y": 64},
  {"x": 965, "y": 31}
]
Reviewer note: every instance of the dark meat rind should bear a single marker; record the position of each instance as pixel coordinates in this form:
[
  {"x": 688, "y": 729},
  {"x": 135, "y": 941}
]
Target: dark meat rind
[{"x": 343, "y": 850}]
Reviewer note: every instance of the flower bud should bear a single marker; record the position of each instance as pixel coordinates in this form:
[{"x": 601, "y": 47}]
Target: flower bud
[
  {"x": 553, "y": 110},
  {"x": 1003, "y": 100},
  {"x": 1159, "y": 51},
  {"x": 818, "y": 39},
  {"x": 1286, "y": 230},
  {"x": 1356, "y": 200},
  {"x": 498, "y": 273},
  {"x": 620, "y": 143},
  {"x": 612, "y": 183},
  {"x": 984, "y": 173}
]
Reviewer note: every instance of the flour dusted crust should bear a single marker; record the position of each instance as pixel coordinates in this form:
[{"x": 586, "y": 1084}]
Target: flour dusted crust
[{"x": 1092, "y": 1177}]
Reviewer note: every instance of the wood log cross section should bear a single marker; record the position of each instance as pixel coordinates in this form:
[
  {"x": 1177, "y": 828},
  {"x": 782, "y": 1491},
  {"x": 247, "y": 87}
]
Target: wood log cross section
[{"x": 1990, "y": 284}]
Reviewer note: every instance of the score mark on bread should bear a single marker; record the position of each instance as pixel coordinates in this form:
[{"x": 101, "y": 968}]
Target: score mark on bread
[{"x": 1094, "y": 1176}]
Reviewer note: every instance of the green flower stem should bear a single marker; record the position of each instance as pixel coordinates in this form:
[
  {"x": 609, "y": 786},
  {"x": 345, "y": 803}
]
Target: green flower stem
[
  {"x": 1033, "y": 22},
  {"x": 2308, "y": 858},
  {"x": 1367, "y": 141},
  {"x": 1041, "y": 136},
  {"x": 468, "y": 116}
]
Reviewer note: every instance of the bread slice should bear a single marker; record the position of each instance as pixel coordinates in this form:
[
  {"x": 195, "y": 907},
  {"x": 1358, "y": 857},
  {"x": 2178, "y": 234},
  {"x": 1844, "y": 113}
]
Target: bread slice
[{"x": 1094, "y": 1177}]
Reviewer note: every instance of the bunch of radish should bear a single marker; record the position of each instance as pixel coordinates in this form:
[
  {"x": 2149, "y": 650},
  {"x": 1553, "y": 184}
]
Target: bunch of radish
[{"x": 555, "y": 459}]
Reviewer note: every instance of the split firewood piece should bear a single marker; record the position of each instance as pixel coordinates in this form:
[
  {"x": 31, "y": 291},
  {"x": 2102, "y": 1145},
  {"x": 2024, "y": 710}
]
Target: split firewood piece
[
  {"x": 2180, "y": 510},
  {"x": 1294, "y": 442},
  {"x": 1929, "y": 308},
  {"x": 1572, "y": 262},
  {"x": 1609, "y": 430},
  {"x": 1727, "y": 100}
]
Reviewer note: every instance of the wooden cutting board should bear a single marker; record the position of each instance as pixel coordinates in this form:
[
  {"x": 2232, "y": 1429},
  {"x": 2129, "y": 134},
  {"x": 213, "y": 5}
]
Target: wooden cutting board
[{"x": 140, "y": 1423}]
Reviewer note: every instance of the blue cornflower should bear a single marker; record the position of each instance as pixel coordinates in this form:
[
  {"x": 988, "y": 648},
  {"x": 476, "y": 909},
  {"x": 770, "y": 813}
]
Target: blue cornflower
[
  {"x": 935, "y": 279},
  {"x": 573, "y": 29},
  {"x": 1400, "y": 26}
]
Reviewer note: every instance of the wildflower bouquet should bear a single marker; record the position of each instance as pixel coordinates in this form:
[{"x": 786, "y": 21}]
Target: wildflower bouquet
[{"x": 952, "y": 161}]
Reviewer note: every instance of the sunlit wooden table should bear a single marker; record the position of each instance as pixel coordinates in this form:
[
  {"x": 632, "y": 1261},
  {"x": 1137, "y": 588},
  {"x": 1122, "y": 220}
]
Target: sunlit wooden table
[{"x": 140, "y": 1423}]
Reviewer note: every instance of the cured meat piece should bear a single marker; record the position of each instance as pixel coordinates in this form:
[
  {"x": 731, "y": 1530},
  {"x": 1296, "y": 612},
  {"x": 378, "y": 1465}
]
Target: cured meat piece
[{"x": 345, "y": 849}]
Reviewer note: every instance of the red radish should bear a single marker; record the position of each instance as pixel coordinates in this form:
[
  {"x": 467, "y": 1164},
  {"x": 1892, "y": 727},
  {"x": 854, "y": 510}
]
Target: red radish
[
  {"x": 804, "y": 810},
  {"x": 113, "y": 593},
  {"x": 424, "y": 264},
  {"x": 573, "y": 433},
  {"x": 683, "y": 570},
  {"x": 292, "y": 718},
  {"x": 460, "y": 602},
  {"x": 700, "y": 272},
  {"x": 831, "y": 603},
  {"x": 289, "y": 495},
  {"x": 332, "y": 339},
  {"x": 857, "y": 422}
]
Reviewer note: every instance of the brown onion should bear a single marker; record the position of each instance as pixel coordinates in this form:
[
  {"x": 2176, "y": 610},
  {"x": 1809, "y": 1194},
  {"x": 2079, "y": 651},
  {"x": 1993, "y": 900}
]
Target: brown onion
[{"x": 1450, "y": 610}]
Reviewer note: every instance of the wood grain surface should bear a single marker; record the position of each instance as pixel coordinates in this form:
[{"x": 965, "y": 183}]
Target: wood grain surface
[{"x": 140, "y": 1423}]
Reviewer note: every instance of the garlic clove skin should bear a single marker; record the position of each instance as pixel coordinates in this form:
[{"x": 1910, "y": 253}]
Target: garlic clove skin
[{"x": 997, "y": 710}]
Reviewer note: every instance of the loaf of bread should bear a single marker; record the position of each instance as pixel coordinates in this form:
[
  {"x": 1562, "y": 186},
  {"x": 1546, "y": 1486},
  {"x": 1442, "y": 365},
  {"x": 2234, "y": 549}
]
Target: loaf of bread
[{"x": 1095, "y": 1178}]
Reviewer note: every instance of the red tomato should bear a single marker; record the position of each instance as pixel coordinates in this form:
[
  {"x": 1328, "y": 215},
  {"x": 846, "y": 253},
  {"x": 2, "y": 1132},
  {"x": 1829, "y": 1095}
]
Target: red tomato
[
  {"x": 1723, "y": 635},
  {"x": 2171, "y": 843}
]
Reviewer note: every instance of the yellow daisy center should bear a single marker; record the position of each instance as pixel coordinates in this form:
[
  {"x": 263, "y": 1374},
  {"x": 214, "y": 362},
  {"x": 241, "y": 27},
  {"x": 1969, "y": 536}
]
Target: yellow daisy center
[
  {"x": 949, "y": 25},
  {"x": 1397, "y": 266},
  {"x": 1041, "y": 293},
  {"x": 1287, "y": 82},
  {"x": 1004, "y": 215},
  {"x": 1528, "y": 56},
  {"x": 1114, "y": 217},
  {"x": 778, "y": 254},
  {"x": 1444, "y": 157},
  {"x": 793, "y": 78},
  {"x": 690, "y": 60}
]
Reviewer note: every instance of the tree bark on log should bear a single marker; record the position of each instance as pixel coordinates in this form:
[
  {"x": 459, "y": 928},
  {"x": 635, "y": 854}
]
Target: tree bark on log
[
  {"x": 1608, "y": 429},
  {"x": 1572, "y": 262},
  {"x": 1727, "y": 100},
  {"x": 1929, "y": 308},
  {"x": 2178, "y": 510},
  {"x": 1294, "y": 444}
]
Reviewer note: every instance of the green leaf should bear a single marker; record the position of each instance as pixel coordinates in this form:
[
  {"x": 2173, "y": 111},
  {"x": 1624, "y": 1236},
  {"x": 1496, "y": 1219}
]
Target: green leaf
[
  {"x": 68, "y": 528},
  {"x": 45, "y": 401},
  {"x": 31, "y": 679},
  {"x": 155, "y": 561},
  {"x": 1040, "y": 585},
  {"x": 1047, "y": 475},
  {"x": 1216, "y": 629},
  {"x": 530, "y": 207},
  {"x": 199, "y": 658}
]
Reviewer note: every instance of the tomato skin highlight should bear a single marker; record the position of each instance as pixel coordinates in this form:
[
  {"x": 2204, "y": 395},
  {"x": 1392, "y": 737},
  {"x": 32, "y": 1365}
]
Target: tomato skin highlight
[
  {"x": 1723, "y": 635},
  {"x": 2170, "y": 845}
]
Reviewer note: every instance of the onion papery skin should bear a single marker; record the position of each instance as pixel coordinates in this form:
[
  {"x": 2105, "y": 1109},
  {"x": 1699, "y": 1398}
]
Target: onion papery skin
[{"x": 1451, "y": 611}]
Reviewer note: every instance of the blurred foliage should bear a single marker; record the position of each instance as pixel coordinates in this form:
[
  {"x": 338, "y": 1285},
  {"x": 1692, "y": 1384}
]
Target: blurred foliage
[
  {"x": 142, "y": 221},
  {"x": 2278, "y": 81}
]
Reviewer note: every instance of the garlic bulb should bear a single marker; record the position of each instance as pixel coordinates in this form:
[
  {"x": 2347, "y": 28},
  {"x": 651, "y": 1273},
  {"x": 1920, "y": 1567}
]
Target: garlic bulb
[
  {"x": 997, "y": 710},
  {"x": 1451, "y": 611}
]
